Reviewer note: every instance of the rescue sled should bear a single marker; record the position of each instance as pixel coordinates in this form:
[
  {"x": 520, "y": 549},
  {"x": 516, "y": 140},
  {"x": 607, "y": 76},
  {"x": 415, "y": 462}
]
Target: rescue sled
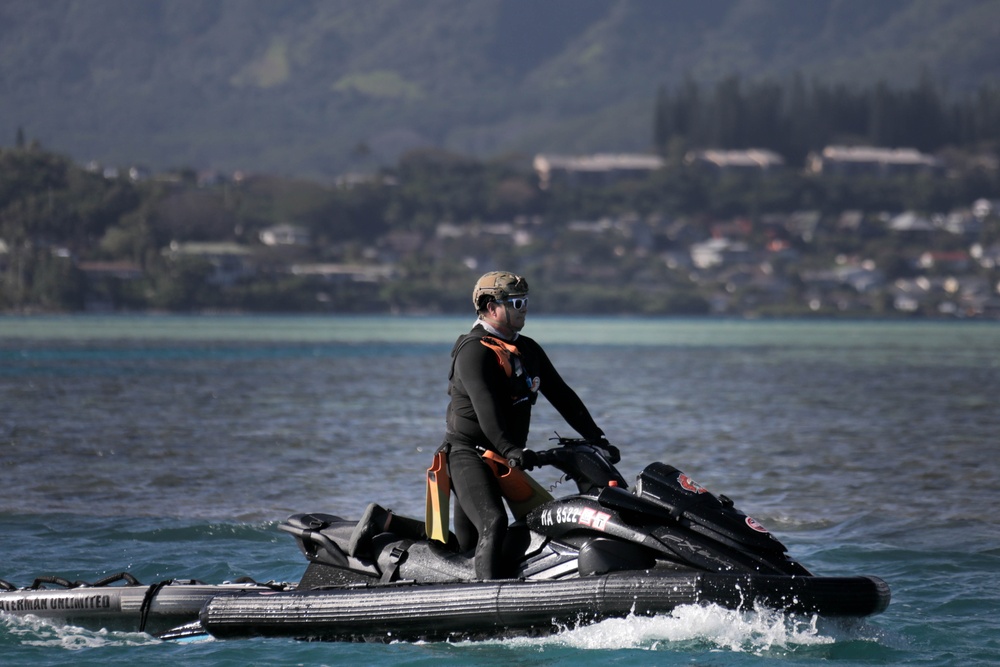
[{"x": 120, "y": 601}]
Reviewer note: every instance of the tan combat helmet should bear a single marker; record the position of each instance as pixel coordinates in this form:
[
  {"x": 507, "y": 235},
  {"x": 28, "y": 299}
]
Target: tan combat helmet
[{"x": 498, "y": 285}]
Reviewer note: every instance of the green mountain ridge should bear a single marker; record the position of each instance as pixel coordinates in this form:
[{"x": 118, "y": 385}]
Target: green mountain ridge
[{"x": 318, "y": 87}]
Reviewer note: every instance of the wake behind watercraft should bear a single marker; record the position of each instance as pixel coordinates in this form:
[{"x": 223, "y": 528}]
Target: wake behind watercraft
[{"x": 606, "y": 551}]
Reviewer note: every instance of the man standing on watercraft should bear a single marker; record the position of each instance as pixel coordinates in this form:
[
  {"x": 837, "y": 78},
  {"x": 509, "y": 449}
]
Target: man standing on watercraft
[{"x": 495, "y": 378}]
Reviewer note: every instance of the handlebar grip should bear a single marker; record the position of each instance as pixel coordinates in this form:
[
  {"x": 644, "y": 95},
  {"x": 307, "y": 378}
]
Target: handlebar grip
[{"x": 545, "y": 457}]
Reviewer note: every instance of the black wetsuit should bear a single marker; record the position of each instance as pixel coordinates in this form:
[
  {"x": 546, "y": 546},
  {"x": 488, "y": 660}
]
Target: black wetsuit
[{"x": 492, "y": 410}]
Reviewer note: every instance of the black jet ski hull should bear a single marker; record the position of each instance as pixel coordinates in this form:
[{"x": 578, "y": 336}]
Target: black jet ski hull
[{"x": 517, "y": 607}]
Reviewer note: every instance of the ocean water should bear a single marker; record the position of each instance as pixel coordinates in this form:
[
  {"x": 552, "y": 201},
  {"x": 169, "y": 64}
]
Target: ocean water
[{"x": 170, "y": 447}]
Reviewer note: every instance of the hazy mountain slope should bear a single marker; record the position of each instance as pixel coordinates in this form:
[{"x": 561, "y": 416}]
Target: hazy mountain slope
[{"x": 319, "y": 86}]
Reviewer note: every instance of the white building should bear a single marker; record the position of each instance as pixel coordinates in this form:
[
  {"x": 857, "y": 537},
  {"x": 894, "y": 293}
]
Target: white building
[
  {"x": 598, "y": 169},
  {"x": 749, "y": 160},
  {"x": 285, "y": 234},
  {"x": 872, "y": 161}
]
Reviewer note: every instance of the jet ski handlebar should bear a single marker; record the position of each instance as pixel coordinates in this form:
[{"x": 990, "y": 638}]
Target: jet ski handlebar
[{"x": 584, "y": 461}]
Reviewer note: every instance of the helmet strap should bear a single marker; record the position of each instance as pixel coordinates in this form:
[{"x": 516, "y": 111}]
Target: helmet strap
[{"x": 502, "y": 326}]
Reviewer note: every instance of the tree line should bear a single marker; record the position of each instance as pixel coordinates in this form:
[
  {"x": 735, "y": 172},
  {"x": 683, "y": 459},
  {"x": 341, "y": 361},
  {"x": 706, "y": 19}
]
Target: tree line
[{"x": 795, "y": 118}]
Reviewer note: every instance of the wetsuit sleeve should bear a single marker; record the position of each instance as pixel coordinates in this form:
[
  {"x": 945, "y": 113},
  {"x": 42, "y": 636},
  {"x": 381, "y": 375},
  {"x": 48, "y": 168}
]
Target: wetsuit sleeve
[
  {"x": 485, "y": 384},
  {"x": 564, "y": 399}
]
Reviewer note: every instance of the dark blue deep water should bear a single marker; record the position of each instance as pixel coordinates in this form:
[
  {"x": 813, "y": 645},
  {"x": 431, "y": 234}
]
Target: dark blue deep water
[{"x": 170, "y": 447}]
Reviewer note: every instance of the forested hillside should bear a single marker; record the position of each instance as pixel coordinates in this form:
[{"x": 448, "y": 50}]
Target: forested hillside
[{"x": 319, "y": 87}]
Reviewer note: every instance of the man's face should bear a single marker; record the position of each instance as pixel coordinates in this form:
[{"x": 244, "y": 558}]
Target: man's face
[
  {"x": 504, "y": 314},
  {"x": 514, "y": 317}
]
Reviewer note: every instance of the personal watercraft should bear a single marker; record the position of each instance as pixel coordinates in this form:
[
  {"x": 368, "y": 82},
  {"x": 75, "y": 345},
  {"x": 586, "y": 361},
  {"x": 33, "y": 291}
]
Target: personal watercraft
[{"x": 606, "y": 551}]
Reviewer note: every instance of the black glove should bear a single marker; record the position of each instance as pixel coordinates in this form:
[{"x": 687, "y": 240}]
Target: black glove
[
  {"x": 522, "y": 459},
  {"x": 610, "y": 451}
]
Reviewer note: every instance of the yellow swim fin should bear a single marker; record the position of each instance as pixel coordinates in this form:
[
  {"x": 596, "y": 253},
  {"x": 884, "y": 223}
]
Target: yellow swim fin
[{"x": 437, "y": 499}]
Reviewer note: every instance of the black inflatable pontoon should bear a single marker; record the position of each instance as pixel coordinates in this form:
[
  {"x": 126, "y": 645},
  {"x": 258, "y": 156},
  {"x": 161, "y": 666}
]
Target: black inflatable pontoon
[{"x": 408, "y": 612}]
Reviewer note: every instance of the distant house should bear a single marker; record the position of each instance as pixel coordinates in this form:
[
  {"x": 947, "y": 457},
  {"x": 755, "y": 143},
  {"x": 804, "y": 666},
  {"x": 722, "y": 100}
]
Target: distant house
[
  {"x": 966, "y": 296},
  {"x": 138, "y": 173},
  {"x": 956, "y": 261},
  {"x": 119, "y": 270},
  {"x": 909, "y": 295},
  {"x": 752, "y": 160},
  {"x": 518, "y": 235},
  {"x": 861, "y": 278},
  {"x": 349, "y": 273},
  {"x": 872, "y": 161},
  {"x": 983, "y": 208},
  {"x": 987, "y": 257},
  {"x": 230, "y": 261},
  {"x": 962, "y": 223},
  {"x": 911, "y": 222},
  {"x": 353, "y": 180},
  {"x": 719, "y": 252},
  {"x": 285, "y": 234},
  {"x": 598, "y": 169}
]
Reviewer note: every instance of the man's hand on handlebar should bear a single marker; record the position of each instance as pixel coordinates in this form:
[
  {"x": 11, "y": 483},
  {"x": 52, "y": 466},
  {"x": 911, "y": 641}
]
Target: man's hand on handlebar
[
  {"x": 522, "y": 459},
  {"x": 610, "y": 452}
]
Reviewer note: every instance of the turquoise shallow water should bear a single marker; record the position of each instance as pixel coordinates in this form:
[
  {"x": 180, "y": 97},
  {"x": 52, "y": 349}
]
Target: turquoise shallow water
[{"x": 171, "y": 447}]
